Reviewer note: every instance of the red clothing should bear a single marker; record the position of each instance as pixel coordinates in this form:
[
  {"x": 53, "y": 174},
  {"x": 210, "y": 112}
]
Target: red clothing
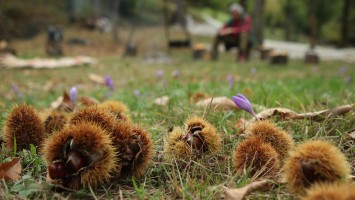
[{"x": 241, "y": 25}]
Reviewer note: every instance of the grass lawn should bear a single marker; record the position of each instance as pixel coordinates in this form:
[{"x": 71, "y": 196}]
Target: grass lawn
[{"x": 300, "y": 87}]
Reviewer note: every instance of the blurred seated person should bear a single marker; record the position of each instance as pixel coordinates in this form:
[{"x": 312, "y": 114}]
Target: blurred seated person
[{"x": 235, "y": 33}]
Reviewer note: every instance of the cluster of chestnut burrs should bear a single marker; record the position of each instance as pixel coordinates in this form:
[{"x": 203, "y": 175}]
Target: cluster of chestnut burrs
[
  {"x": 97, "y": 143},
  {"x": 87, "y": 147},
  {"x": 308, "y": 169}
]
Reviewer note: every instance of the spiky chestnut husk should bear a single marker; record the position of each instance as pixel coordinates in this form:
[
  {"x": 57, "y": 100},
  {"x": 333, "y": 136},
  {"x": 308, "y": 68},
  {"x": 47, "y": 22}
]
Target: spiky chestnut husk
[
  {"x": 54, "y": 121},
  {"x": 135, "y": 149},
  {"x": 268, "y": 132},
  {"x": 80, "y": 155},
  {"x": 118, "y": 109},
  {"x": 260, "y": 157},
  {"x": 175, "y": 146},
  {"x": 201, "y": 135},
  {"x": 120, "y": 137},
  {"x": 326, "y": 191},
  {"x": 94, "y": 114},
  {"x": 312, "y": 162},
  {"x": 24, "y": 124}
]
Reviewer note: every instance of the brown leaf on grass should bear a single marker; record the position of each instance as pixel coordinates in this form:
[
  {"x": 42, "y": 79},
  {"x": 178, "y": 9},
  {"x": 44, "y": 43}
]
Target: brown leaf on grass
[
  {"x": 88, "y": 101},
  {"x": 11, "y": 170},
  {"x": 96, "y": 78},
  {"x": 340, "y": 110},
  {"x": 162, "y": 101},
  {"x": 63, "y": 103},
  {"x": 351, "y": 133},
  {"x": 11, "y": 61},
  {"x": 283, "y": 113},
  {"x": 218, "y": 103},
  {"x": 240, "y": 193},
  {"x": 286, "y": 114},
  {"x": 56, "y": 103},
  {"x": 198, "y": 96}
]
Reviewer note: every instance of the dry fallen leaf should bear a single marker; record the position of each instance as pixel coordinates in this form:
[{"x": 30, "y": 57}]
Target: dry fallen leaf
[
  {"x": 162, "y": 101},
  {"x": 218, "y": 103},
  {"x": 240, "y": 193},
  {"x": 340, "y": 110},
  {"x": 283, "y": 113},
  {"x": 96, "y": 78},
  {"x": 198, "y": 96},
  {"x": 11, "y": 61},
  {"x": 351, "y": 133},
  {"x": 63, "y": 103},
  {"x": 286, "y": 114},
  {"x": 56, "y": 103},
  {"x": 11, "y": 170}
]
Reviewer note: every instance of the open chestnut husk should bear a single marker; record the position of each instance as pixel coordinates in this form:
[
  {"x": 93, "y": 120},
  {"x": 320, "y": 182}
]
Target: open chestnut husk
[
  {"x": 80, "y": 155},
  {"x": 197, "y": 138},
  {"x": 135, "y": 149}
]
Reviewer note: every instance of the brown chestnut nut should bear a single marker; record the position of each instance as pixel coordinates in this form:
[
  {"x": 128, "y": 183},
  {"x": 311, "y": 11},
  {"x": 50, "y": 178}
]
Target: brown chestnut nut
[
  {"x": 57, "y": 170},
  {"x": 194, "y": 141},
  {"x": 75, "y": 161}
]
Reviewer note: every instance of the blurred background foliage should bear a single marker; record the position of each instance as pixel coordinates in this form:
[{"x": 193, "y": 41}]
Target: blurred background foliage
[{"x": 24, "y": 19}]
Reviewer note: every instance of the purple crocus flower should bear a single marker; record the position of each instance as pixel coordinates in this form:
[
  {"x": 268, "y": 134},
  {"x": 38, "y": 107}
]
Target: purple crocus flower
[
  {"x": 230, "y": 81},
  {"x": 17, "y": 91},
  {"x": 159, "y": 74},
  {"x": 109, "y": 82},
  {"x": 347, "y": 79},
  {"x": 243, "y": 103},
  {"x": 136, "y": 93},
  {"x": 73, "y": 94},
  {"x": 342, "y": 70},
  {"x": 176, "y": 73}
]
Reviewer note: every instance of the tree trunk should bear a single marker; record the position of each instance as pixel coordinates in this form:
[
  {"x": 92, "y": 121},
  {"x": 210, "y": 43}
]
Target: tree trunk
[
  {"x": 115, "y": 17},
  {"x": 313, "y": 23},
  {"x": 259, "y": 22},
  {"x": 96, "y": 7},
  {"x": 288, "y": 13},
  {"x": 71, "y": 10},
  {"x": 345, "y": 23}
]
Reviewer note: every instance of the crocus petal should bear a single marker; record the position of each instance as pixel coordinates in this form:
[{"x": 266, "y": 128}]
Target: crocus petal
[
  {"x": 342, "y": 70},
  {"x": 230, "y": 81},
  {"x": 73, "y": 94},
  {"x": 109, "y": 82},
  {"x": 176, "y": 73},
  {"x": 159, "y": 73},
  {"x": 243, "y": 103},
  {"x": 136, "y": 93},
  {"x": 16, "y": 90},
  {"x": 243, "y": 97}
]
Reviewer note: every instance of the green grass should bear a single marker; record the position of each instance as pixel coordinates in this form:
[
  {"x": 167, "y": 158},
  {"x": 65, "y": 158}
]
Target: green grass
[{"x": 297, "y": 86}]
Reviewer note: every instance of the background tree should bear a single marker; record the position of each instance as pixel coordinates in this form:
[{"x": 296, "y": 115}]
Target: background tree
[
  {"x": 345, "y": 23},
  {"x": 115, "y": 17},
  {"x": 258, "y": 22}
]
